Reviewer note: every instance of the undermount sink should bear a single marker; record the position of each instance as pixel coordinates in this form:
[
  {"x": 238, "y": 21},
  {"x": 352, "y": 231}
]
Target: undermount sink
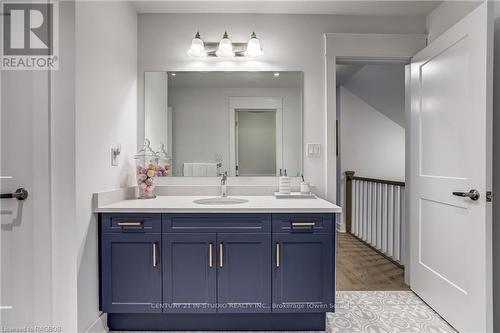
[{"x": 220, "y": 201}]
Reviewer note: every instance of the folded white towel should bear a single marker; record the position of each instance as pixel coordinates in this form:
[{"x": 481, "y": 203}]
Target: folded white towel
[{"x": 200, "y": 169}]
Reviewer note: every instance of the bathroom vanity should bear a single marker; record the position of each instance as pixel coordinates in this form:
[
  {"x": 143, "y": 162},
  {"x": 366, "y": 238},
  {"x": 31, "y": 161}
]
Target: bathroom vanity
[
  {"x": 181, "y": 262},
  {"x": 171, "y": 263}
]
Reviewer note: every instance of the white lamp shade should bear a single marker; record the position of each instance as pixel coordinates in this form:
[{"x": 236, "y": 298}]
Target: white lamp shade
[
  {"x": 225, "y": 49},
  {"x": 254, "y": 50},
  {"x": 197, "y": 48}
]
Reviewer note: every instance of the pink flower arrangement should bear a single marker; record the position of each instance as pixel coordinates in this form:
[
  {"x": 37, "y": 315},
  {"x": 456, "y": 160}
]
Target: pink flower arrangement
[
  {"x": 145, "y": 180},
  {"x": 163, "y": 170}
]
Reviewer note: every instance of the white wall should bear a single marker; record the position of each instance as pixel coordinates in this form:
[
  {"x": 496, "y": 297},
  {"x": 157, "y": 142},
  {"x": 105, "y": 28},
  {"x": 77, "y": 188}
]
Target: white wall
[
  {"x": 446, "y": 15},
  {"x": 201, "y": 124},
  {"x": 371, "y": 144},
  {"x": 106, "y": 114},
  {"x": 290, "y": 42},
  {"x": 496, "y": 176},
  {"x": 383, "y": 87}
]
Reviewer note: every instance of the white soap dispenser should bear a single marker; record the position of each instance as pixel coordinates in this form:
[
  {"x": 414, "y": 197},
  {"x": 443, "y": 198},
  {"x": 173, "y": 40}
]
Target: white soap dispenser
[{"x": 285, "y": 186}]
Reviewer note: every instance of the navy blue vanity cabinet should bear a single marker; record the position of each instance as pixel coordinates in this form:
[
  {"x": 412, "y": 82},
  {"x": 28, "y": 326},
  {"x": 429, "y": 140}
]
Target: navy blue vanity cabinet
[
  {"x": 217, "y": 271},
  {"x": 244, "y": 273},
  {"x": 303, "y": 269},
  {"x": 189, "y": 284},
  {"x": 217, "y": 259},
  {"x": 130, "y": 263},
  {"x": 131, "y": 273}
]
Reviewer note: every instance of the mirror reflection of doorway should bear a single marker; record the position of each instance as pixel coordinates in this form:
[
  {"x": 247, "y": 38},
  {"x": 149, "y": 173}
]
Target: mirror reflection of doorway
[
  {"x": 255, "y": 142},
  {"x": 258, "y": 149}
]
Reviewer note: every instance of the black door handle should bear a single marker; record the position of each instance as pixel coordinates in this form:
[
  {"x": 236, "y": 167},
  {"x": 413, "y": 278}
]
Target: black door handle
[
  {"x": 472, "y": 194},
  {"x": 19, "y": 194}
]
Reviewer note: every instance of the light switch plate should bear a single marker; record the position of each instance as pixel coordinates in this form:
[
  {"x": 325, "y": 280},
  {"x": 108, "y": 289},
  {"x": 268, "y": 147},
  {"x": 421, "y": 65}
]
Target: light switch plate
[
  {"x": 115, "y": 152},
  {"x": 313, "y": 150}
]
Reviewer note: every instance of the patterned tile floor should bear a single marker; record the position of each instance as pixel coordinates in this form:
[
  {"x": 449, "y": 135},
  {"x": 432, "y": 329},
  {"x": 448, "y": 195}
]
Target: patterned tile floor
[{"x": 382, "y": 312}]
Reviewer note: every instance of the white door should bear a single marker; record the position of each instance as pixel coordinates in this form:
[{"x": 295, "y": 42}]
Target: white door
[
  {"x": 25, "y": 245},
  {"x": 256, "y": 142},
  {"x": 451, "y": 151}
]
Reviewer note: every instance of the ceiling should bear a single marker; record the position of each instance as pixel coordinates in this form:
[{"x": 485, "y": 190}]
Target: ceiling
[
  {"x": 332, "y": 7},
  {"x": 235, "y": 80},
  {"x": 345, "y": 71}
]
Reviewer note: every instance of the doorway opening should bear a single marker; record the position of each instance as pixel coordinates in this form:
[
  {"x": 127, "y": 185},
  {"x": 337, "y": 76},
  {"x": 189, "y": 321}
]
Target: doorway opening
[
  {"x": 255, "y": 136},
  {"x": 371, "y": 187},
  {"x": 255, "y": 142}
]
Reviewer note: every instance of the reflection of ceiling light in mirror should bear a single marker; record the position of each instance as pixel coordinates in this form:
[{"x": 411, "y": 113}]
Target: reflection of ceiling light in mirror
[
  {"x": 173, "y": 74},
  {"x": 276, "y": 74},
  {"x": 254, "y": 50},
  {"x": 225, "y": 49},
  {"x": 197, "y": 48}
]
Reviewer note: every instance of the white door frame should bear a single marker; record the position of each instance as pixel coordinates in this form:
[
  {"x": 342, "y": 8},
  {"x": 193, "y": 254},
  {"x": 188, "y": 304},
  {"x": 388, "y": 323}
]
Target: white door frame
[
  {"x": 255, "y": 103},
  {"x": 361, "y": 47}
]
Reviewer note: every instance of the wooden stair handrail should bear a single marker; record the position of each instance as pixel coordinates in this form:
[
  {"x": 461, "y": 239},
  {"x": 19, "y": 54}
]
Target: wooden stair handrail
[
  {"x": 349, "y": 176},
  {"x": 380, "y": 181}
]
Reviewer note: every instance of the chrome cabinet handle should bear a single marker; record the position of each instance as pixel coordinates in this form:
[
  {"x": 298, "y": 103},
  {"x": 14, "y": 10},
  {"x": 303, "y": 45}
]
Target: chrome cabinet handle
[
  {"x": 130, "y": 224},
  {"x": 221, "y": 255},
  {"x": 277, "y": 254},
  {"x": 472, "y": 194},
  {"x": 19, "y": 194},
  {"x": 155, "y": 262},
  {"x": 210, "y": 254},
  {"x": 303, "y": 224}
]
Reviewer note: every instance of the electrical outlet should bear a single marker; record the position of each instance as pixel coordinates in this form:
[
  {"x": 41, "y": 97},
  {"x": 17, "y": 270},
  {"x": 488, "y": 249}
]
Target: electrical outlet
[{"x": 313, "y": 150}]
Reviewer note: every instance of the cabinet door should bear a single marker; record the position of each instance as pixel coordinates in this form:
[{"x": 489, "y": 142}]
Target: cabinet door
[
  {"x": 190, "y": 273},
  {"x": 131, "y": 273},
  {"x": 303, "y": 275},
  {"x": 244, "y": 273}
]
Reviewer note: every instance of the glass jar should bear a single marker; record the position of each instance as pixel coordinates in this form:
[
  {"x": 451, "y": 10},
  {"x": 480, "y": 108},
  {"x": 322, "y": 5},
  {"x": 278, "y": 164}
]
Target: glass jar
[
  {"x": 146, "y": 163},
  {"x": 164, "y": 163}
]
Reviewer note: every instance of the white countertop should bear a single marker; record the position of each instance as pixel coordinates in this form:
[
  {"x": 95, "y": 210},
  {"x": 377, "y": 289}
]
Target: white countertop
[{"x": 185, "y": 204}]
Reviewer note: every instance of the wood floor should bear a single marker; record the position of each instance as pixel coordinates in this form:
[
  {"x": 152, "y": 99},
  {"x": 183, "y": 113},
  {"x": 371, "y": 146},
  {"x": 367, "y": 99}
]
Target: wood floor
[{"x": 361, "y": 268}]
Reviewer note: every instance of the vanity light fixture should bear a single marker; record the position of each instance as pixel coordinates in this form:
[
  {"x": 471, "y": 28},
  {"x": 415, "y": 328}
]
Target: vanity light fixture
[
  {"x": 254, "y": 50},
  {"x": 276, "y": 74},
  {"x": 197, "y": 49},
  {"x": 225, "y": 48},
  {"x": 173, "y": 74}
]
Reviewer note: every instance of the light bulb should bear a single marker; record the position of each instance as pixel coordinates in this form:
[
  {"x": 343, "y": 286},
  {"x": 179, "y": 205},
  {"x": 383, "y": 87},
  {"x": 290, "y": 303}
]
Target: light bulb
[
  {"x": 197, "y": 48},
  {"x": 225, "y": 49},
  {"x": 254, "y": 50}
]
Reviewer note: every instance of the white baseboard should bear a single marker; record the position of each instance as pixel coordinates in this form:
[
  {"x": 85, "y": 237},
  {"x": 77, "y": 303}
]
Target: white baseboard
[{"x": 99, "y": 325}]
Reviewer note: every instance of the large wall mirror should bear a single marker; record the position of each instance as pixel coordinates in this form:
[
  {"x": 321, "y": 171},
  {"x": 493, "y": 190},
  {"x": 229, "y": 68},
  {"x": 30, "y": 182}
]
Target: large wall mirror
[{"x": 245, "y": 123}]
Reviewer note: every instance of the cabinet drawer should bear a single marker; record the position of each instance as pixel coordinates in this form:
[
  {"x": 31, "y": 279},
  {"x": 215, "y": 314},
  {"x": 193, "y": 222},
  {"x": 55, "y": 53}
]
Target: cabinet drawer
[
  {"x": 303, "y": 223},
  {"x": 217, "y": 223},
  {"x": 131, "y": 223}
]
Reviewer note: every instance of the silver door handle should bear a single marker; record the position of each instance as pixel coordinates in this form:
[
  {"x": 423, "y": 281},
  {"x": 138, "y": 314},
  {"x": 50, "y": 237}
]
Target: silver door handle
[
  {"x": 155, "y": 261},
  {"x": 472, "y": 194},
  {"x": 210, "y": 254},
  {"x": 130, "y": 224},
  {"x": 277, "y": 254},
  {"x": 303, "y": 224},
  {"x": 19, "y": 194},
  {"x": 221, "y": 255}
]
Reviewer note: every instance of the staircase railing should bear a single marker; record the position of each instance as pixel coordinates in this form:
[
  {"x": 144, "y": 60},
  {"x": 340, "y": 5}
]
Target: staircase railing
[{"x": 375, "y": 214}]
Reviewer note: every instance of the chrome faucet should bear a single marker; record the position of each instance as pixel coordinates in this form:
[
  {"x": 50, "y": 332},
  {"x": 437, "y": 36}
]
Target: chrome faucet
[{"x": 223, "y": 188}]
